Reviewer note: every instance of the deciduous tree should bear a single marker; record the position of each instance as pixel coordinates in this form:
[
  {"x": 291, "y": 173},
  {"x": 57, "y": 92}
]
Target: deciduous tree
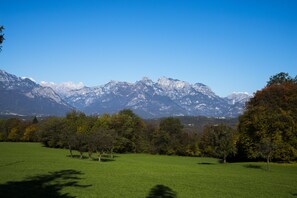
[
  {"x": 268, "y": 127},
  {"x": 129, "y": 128},
  {"x": 50, "y": 131},
  {"x": 101, "y": 140},
  {"x": 30, "y": 134},
  {"x": 219, "y": 141},
  {"x": 280, "y": 78}
]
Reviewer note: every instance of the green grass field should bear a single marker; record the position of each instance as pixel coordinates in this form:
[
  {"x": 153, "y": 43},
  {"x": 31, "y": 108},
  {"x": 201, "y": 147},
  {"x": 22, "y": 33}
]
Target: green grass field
[{"x": 31, "y": 170}]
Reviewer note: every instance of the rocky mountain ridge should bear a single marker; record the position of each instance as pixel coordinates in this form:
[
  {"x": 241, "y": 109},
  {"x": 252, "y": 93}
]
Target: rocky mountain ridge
[
  {"x": 148, "y": 99},
  {"x": 22, "y": 96}
]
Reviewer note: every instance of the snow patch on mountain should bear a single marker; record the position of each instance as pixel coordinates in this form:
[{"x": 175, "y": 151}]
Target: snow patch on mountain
[
  {"x": 64, "y": 88},
  {"x": 32, "y": 79},
  {"x": 166, "y": 97},
  {"x": 172, "y": 84},
  {"x": 24, "y": 96},
  {"x": 236, "y": 97},
  {"x": 149, "y": 99}
]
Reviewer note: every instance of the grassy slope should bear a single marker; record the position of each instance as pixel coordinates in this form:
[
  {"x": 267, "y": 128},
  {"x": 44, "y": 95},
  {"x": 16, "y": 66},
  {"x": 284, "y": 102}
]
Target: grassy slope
[{"x": 133, "y": 175}]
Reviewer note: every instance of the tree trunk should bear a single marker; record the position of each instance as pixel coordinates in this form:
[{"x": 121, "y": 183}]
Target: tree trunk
[
  {"x": 81, "y": 154},
  {"x": 225, "y": 159},
  {"x": 70, "y": 150},
  {"x": 111, "y": 153},
  {"x": 90, "y": 154},
  {"x": 99, "y": 156},
  {"x": 268, "y": 163}
]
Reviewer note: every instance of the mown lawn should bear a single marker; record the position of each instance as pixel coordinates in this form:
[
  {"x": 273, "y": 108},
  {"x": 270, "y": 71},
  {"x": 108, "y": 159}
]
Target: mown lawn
[{"x": 31, "y": 170}]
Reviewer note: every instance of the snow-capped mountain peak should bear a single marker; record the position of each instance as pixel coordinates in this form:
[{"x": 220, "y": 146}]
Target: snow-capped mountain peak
[
  {"x": 24, "y": 96},
  {"x": 149, "y": 99},
  {"x": 241, "y": 97},
  {"x": 166, "y": 97},
  {"x": 6, "y": 77},
  {"x": 147, "y": 81},
  {"x": 170, "y": 83},
  {"x": 32, "y": 79},
  {"x": 64, "y": 88},
  {"x": 63, "y": 85},
  {"x": 202, "y": 88}
]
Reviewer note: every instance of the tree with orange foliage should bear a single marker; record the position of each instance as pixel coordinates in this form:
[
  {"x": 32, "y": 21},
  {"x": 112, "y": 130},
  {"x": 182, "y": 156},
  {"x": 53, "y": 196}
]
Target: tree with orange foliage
[{"x": 268, "y": 127}]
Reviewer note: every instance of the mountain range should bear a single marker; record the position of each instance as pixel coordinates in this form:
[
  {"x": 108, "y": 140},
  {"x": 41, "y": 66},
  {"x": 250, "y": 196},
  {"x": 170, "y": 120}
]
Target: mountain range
[
  {"x": 22, "y": 96},
  {"x": 148, "y": 99}
]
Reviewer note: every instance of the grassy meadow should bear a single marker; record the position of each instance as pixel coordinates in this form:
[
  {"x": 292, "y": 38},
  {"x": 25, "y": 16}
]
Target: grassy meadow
[{"x": 31, "y": 170}]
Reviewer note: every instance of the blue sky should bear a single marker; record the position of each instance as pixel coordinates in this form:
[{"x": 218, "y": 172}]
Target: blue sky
[{"x": 228, "y": 45}]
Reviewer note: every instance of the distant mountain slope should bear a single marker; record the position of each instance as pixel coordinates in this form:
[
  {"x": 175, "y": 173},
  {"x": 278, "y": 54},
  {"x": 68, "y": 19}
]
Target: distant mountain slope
[
  {"x": 22, "y": 96},
  {"x": 237, "y": 101},
  {"x": 149, "y": 99}
]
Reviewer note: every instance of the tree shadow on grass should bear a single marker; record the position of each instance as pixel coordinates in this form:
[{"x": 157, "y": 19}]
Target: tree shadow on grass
[
  {"x": 205, "y": 163},
  {"x": 77, "y": 157},
  {"x": 161, "y": 191},
  {"x": 45, "y": 185},
  {"x": 104, "y": 157},
  {"x": 253, "y": 166},
  {"x": 107, "y": 160},
  {"x": 12, "y": 163}
]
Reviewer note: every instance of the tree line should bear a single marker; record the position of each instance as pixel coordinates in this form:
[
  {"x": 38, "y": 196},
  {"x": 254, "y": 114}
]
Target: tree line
[
  {"x": 123, "y": 132},
  {"x": 267, "y": 130}
]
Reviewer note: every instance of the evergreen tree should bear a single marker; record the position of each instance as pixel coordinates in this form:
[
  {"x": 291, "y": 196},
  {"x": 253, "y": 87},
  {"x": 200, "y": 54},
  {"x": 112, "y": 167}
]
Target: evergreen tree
[
  {"x": 1, "y": 37},
  {"x": 35, "y": 120}
]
